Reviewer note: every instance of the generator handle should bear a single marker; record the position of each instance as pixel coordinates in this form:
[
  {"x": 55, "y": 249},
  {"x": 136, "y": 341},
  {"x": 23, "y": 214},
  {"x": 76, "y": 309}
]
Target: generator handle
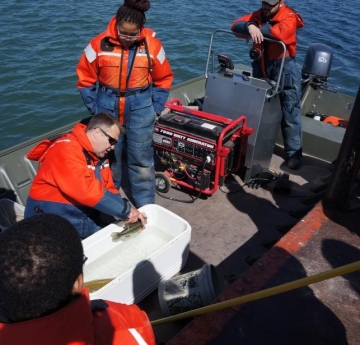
[
  {"x": 176, "y": 105},
  {"x": 275, "y": 90},
  {"x": 243, "y": 130},
  {"x": 231, "y": 125}
]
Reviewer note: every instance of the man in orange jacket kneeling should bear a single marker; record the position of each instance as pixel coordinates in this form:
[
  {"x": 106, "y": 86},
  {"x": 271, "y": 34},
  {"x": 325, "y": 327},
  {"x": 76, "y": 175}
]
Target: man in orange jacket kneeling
[{"x": 74, "y": 178}]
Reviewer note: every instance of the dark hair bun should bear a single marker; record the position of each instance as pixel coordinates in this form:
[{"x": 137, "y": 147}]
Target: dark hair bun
[{"x": 139, "y": 5}]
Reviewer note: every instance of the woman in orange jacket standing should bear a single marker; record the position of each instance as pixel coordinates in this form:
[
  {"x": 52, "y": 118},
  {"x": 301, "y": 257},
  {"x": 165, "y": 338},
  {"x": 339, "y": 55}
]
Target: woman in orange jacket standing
[{"x": 124, "y": 72}]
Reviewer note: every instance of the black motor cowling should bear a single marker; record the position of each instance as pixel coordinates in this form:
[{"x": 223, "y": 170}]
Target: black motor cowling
[{"x": 318, "y": 61}]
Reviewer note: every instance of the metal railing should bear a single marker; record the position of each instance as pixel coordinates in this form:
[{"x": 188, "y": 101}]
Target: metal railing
[{"x": 211, "y": 57}]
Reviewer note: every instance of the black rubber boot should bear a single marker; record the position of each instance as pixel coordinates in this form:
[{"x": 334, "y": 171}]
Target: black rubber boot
[{"x": 294, "y": 162}]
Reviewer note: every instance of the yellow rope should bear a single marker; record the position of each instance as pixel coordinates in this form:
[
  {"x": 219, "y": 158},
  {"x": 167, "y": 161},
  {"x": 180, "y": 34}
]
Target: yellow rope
[{"x": 342, "y": 270}]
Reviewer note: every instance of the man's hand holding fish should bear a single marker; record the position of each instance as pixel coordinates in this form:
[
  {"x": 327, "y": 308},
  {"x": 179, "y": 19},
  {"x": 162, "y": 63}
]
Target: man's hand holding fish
[{"x": 136, "y": 215}]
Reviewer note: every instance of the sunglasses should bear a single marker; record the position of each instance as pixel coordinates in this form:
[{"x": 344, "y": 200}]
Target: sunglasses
[
  {"x": 84, "y": 259},
  {"x": 112, "y": 141}
]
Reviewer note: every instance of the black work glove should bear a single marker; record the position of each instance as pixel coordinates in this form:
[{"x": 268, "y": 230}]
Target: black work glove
[
  {"x": 283, "y": 185},
  {"x": 262, "y": 178}
]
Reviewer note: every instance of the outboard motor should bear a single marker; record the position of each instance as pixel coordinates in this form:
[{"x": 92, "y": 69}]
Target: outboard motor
[{"x": 317, "y": 63}]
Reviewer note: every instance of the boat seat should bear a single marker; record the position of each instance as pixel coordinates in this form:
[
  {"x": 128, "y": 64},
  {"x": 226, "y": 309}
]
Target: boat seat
[
  {"x": 10, "y": 213},
  {"x": 16, "y": 176}
]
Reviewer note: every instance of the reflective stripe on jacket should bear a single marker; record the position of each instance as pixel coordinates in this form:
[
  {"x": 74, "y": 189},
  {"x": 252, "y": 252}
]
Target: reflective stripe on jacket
[
  {"x": 76, "y": 324},
  {"x": 107, "y": 62}
]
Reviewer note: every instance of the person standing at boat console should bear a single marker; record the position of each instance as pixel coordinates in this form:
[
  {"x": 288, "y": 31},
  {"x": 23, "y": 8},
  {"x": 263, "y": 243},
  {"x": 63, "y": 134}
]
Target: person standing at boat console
[
  {"x": 124, "y": 72},
  {"x": 74, "y": 178},
  {"x": 277, "y": 21},
  {"x": 43, "y": 298}
]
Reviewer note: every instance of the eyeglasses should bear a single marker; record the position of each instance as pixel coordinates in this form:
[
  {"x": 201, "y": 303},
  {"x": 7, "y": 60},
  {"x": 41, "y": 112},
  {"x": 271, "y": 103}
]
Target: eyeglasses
[
  {"x": 84, "y": 259},
  {"x": 131, "y": 37},
  {"x": 112, "y": 141}
]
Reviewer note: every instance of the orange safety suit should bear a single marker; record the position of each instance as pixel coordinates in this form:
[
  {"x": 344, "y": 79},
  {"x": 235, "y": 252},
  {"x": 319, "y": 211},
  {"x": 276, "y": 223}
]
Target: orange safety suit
[
  {"x": 119, "y": 72},
  {"x": 73, "y": 183},
  {"x": 78, "y": 323},
  {"x": 131, "y": 84},
  {"x": 281, "y": 27}
]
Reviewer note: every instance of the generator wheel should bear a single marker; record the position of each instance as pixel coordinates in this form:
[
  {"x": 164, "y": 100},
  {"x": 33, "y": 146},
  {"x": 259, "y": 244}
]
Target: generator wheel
[{"x": 162, "y": 182}]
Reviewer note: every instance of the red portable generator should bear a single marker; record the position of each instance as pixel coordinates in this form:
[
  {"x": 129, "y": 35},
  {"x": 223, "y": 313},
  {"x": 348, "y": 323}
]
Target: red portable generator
[{"x": 199, "y": 149}]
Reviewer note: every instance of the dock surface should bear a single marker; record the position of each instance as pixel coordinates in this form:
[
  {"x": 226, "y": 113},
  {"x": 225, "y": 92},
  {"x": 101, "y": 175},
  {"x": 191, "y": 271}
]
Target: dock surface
[{"x": 260, "y": 238}]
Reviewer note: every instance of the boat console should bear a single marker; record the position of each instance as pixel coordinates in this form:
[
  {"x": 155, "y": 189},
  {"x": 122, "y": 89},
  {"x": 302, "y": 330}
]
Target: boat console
[{"x": 231, "y": 94}]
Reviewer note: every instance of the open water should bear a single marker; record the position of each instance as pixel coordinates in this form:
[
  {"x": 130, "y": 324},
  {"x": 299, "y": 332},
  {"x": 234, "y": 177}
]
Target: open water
[{"x": 41, "y": 42}]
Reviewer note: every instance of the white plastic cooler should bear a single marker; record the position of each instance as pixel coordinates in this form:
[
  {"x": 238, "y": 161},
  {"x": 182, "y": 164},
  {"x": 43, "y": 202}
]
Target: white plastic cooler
[{"x": 137, "y": 262}]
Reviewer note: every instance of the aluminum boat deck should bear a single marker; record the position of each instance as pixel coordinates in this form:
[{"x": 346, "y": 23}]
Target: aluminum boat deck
[{"x": 259, "y": 238}]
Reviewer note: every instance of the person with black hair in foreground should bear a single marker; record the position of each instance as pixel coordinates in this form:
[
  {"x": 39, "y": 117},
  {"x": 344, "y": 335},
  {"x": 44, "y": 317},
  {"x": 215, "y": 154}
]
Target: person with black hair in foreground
[{"x": 42, "y": 299}]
